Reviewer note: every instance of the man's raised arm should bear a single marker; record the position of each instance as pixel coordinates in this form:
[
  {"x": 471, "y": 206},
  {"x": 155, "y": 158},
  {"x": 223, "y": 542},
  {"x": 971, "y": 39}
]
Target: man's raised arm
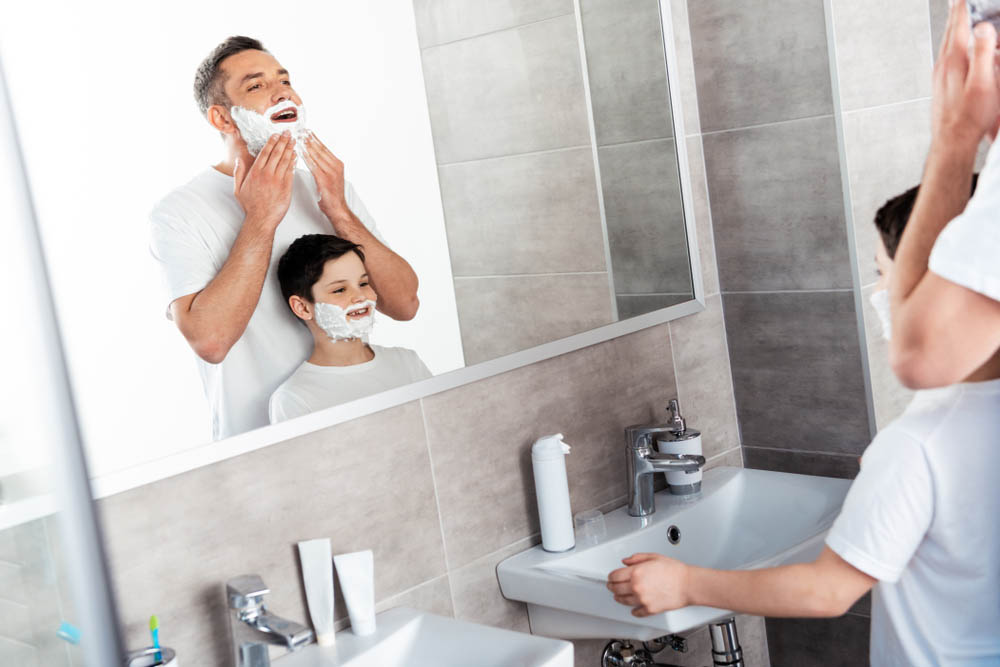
[
  {"x": 213, "y": 319},
  {"x": 942, "y": 332}
]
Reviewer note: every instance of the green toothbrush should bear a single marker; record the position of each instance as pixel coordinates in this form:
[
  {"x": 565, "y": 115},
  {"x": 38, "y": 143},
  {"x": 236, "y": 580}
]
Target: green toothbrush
[{"x": 154, "y": 629}]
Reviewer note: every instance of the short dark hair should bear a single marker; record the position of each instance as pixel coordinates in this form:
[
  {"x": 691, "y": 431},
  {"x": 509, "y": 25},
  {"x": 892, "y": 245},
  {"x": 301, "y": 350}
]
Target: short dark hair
[
  {"x": 301, "y": 266},
  {"x": 210, "y": 80},
  {"x": 891, "y": 219}
]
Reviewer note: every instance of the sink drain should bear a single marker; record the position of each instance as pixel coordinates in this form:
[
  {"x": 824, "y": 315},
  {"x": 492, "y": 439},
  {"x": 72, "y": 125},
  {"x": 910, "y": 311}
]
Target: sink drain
[{"x": 674, "y": 534}]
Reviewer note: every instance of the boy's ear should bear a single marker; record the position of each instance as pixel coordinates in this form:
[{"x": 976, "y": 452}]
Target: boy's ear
[{"x": 302, "y": 308}]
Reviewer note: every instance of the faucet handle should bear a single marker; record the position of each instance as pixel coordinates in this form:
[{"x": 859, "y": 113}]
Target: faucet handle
[{"x": 246, "y": 591}]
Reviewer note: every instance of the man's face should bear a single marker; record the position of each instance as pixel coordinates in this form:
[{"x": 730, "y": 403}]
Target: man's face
[
  {"x": 344, "y": 283},
  {"x": 884, "y": 264},
  {"x": 256, "y": 80}
]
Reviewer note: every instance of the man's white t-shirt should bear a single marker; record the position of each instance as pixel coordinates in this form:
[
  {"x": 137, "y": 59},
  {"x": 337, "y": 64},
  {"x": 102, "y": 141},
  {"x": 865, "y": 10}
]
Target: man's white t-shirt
[
  {"x": 312, "y": 387},
  {"x": 967, "y": 251},
  {"x": 923, "y": 517},
  {"x": 192, "y": 231}
]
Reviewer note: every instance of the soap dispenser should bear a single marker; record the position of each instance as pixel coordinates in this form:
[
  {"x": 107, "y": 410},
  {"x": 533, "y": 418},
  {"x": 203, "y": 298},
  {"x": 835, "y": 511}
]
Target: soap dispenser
[
  {"x": 680, "y": 440},
  {"x": 548, "y": 459}
]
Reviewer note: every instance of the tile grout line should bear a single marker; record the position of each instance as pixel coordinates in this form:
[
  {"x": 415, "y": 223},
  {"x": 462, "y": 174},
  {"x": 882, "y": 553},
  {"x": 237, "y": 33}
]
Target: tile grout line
[
  {"x": 494, "y": 32},
  {"x": 437, "y": 505},
  {"x": 770, "y": 124},
  {"x": 508, "y": 156},
  {"x": 833, "y": 290},
  {"x": 804, "y": 451},
  {"x": 532, "y": 275},
  {"x": 887, "y": 105}
]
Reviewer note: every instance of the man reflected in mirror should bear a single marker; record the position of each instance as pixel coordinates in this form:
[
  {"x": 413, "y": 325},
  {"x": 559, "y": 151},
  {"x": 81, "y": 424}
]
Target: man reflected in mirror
[{"x": 218, "y": 237}]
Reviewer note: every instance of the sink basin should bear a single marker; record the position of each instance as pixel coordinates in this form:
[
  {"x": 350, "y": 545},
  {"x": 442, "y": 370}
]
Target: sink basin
[
  {"x": 743, "y": 519},
  {"x": 410, "y": 638}
]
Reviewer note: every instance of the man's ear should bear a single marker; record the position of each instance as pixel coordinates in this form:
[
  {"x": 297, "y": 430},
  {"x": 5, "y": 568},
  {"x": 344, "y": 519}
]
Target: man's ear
[
  {"x": 221, "y": 119},
  {"x": 302, "y": 308}
]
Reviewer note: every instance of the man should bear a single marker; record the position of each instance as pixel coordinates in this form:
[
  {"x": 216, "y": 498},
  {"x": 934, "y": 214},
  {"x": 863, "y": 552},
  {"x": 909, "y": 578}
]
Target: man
[
  {"x": 945, "y": 292},
  {"x": 916, "y": 524},
  {"x": 219, "y": 237}
]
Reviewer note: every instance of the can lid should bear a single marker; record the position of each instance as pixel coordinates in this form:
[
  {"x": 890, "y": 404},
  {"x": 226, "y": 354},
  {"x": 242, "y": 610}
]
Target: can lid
[{"x": 549, "y": 447}]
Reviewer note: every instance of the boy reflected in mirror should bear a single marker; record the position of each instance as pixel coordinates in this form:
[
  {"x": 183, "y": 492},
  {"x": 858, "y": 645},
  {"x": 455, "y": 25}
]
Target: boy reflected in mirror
[{"x": 325, "y": 282}]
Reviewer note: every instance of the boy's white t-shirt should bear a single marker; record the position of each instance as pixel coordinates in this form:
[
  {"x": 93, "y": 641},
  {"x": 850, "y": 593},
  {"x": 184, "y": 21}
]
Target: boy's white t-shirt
[
  {"x": 312, "y": 387},
  {"x": 967, "y": 251},
  {"x": 923, "y": 517},
  {"x": 192, "y": 230}
]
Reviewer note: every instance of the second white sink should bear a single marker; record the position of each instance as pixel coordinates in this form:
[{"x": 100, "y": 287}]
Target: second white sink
[{"x": 743, "y": 519}]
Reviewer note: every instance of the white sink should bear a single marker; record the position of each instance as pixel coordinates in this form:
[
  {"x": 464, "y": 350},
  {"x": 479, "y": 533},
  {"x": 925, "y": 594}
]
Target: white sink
[
  {"x": 411, "y": 638},
  {"x": 743, "y": 519}
]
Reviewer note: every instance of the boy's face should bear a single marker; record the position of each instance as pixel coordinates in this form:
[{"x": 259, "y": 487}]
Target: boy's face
[
  {"x": 344, "y": 283},
  {"x": 884, "y": 264}
]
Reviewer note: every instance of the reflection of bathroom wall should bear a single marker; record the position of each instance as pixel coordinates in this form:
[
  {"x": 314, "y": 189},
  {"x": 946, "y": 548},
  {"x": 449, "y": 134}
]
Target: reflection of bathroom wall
[
  {"x": 636, "y": 152},
  {"x": 452, "y": 495}
]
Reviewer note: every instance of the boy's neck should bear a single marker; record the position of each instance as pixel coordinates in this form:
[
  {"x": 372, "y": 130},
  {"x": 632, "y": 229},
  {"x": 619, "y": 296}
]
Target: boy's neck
[
  {"x": 351, "y": 352},
  {"x": 988, "y": 371}
]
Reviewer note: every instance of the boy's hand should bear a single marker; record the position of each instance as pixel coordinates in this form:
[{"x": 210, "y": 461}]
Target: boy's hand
[
  {"x": 650, "y": 583},
  {"x": 328, "y": 171}
]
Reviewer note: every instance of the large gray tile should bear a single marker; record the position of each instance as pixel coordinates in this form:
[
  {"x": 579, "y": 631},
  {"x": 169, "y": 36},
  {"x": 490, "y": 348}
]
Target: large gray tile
[
  {"x": 477, "y": 592},
  {"x": 704, "y": 381},
  {"x": 246, "y": 515},
  {"x": 731, "y": 459},
  {"x": 778, "y": 207},
  {"x": 448, "y": 20},
  {"x": 481, "y": 436},
  {"x": 508, "y": 92},
  {"x": 702, "y": 216},
  {"x": 645, "y": 217},
  {"x": 630, "y": 305},
  {"x": 535, "y": 213},
  {"x": 796, "y": 366},
  {"x": 15, "y": 622},
  {"x": 17, "y": 653},
  {"x": 507, "y": 314},
  {"x": 627, "y": 70},
  {"x": 686, "y": 86},
  {"x": 433, "y": 596},
  {"x": 11, "y": 583},
  {"x": 939, "y": 21},
  {"x": 888, "y": 394},
  {"x": 883, "y": 51},
  {"x": 843, "y": 466},
  {"x": 759, "y": 61},
  {"x": 886, "y": 149},
  {"x": 825, "y": 642}
]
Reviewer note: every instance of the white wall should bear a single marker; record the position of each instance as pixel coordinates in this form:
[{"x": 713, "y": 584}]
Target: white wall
[{"x": 103, "y": 99}]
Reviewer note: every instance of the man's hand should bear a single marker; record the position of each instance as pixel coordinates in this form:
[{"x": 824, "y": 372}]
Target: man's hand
[
  {"x": 650, "y": 583},
  {"x": 328, "y": 171},
  {"x": 264, "y": 190},
  {"x": 966, "y": 100}
]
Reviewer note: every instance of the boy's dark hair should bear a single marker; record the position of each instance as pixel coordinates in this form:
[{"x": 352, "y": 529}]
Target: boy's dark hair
[
  {"x": 891, "y": 219},
  {"x": 301, "y": 266},
  {"x": 210, "y": 80}
]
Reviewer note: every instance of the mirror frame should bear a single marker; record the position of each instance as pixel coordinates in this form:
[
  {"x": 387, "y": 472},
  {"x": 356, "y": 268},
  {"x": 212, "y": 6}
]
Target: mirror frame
[{"x": 208, "y": 453}]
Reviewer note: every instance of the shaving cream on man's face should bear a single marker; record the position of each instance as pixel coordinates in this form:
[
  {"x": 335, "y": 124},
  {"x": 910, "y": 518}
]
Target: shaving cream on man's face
[
  {"x": 257, "y": 128},
  {"x": 880, "y": 302},
  {"x": 334, "y": 322}
]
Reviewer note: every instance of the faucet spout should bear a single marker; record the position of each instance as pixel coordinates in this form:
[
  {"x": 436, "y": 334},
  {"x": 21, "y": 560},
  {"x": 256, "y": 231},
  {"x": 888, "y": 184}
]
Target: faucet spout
[
  {"x": 252, "y": 627},
  {"x": 277, "y": 630},
  {"x": 676, "y": 462},
  {"x": 641, "y": 461}
]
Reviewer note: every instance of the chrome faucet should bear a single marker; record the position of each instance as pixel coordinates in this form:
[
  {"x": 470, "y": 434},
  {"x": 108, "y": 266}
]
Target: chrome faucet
[
  {"x": 252, "y": 628},
  {"x": 642, "y": 460}
]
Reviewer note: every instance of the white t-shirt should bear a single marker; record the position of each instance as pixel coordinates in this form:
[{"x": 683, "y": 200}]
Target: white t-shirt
[
  {"x": 313, "y": 387},
  {"x": 923, "y": 517},
  {"x": 967, "y": 252},
  {"x": 192, "y": 231}
]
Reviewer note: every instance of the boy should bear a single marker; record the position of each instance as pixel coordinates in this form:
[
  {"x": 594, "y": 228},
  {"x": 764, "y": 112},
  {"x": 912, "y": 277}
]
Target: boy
[
  {"x": 324, "y": 281},
  {"x": 919, "y": 524}
]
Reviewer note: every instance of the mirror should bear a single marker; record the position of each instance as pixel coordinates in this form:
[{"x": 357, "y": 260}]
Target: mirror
[{"x": 521, "y": 163}]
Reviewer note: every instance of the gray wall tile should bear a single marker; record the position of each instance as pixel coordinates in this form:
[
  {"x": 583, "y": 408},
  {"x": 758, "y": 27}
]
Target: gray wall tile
[
  {"x": 246, "y": 515},
  {"x": 886, "y": 149},
  {"x": 883, "y": 51},
  {"x": 796, "y": 368},
  {"x": 827, "y": 642},
  {"x": 645, "y": 217},
  {"x": 704, "y": 382},
  {"x": 448, "y": 20},
  {"x": 433, "y": 596},
  {"x": 628, "y": 76},
  {"x": 702, "y": 216},
  {"x": 508, "y": 92},
  {"x": 843, "y": 466},
  {"x": 481, "y": 435},
  {"x": 685, "y": 84},
  {"x": 535, "y": 213},
  {"x": 732, "y": 458},
  {"x": 759, "y": 61},
  {"x": 630, "y": 305},
  {"x": 939, "y": 20},
  {"x": 498, "y": 316},
  {"x": 477, "y": 592},
  {"x": 778, "y": 207}
]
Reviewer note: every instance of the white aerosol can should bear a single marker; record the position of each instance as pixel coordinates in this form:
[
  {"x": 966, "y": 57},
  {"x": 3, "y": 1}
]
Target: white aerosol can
[{"x": 548, "y": 459}]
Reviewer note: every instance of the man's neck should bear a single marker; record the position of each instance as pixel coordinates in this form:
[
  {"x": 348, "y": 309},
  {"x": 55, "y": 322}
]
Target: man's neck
[
  {"x": 234, "y": 150},
  {"x": 351, "y": 352}
]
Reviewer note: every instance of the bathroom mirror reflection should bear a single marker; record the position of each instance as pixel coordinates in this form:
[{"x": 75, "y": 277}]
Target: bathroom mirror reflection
[{"x": 520, "y": 163}]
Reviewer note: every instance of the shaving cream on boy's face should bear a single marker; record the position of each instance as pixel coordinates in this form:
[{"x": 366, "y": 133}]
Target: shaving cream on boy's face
[
  {"x": 256, "y": 128},
  {"x": 880, "y": 302},
  {"x": 334, "y": 320}
]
